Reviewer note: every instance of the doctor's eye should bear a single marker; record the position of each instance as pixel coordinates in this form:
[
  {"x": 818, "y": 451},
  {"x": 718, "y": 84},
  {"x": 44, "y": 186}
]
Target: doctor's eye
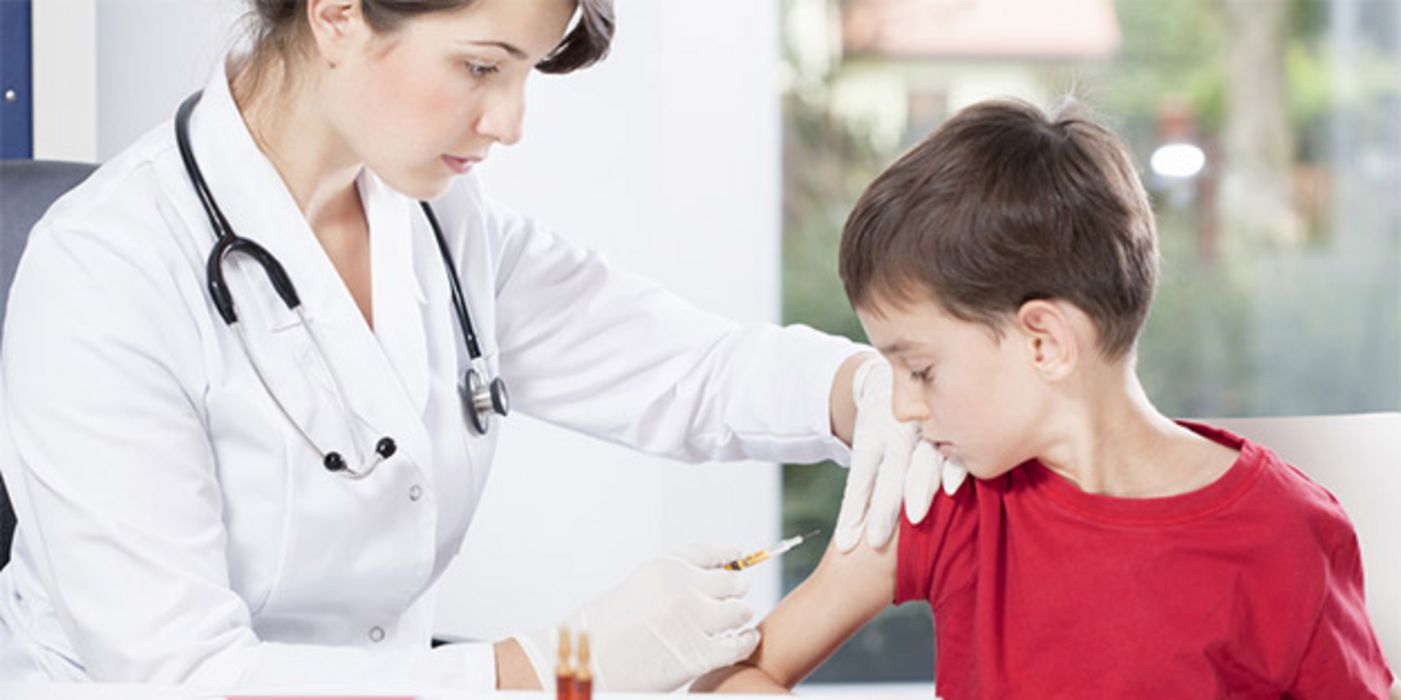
[{"x": 481, "y": 70}]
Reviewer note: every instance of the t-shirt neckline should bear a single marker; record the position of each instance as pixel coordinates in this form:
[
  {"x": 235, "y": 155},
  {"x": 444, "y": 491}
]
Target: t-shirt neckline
[{"x": 1164, "y": 510}]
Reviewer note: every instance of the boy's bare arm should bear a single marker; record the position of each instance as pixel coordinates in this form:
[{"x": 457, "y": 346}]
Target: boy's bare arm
[{"x": 841, "y": 596}]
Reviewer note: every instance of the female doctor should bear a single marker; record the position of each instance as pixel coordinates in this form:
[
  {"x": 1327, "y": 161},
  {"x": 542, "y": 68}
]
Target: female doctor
[{"x": 246, "y": 421}]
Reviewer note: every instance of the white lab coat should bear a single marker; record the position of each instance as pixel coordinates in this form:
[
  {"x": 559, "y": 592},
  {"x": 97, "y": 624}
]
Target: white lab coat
[{"x": 174, "y": 526}]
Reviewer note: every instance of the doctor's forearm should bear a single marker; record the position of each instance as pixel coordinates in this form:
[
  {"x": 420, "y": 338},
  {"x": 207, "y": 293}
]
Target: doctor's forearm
[
  {"x": 513, "y": 669},
  {"x": 841, "y": 404}
]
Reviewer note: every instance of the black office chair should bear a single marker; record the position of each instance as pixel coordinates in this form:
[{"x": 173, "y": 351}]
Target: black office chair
[{"x": 27, "y": 188}]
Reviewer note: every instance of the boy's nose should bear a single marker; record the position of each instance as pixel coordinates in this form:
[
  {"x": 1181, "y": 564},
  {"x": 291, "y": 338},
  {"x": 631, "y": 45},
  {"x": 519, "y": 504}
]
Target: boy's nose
[{"x": 907, "y": 403}]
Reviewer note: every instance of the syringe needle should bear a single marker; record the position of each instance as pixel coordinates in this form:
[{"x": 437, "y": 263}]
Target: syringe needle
[
  {"x": 769, "y": 552},
  {"x": 791, "y": 542}
]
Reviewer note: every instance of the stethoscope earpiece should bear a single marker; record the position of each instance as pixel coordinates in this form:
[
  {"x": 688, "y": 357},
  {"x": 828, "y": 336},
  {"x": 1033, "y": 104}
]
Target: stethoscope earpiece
[
  {"x": 333, "y": 462},
  {"x": 481, "y": 399},
  {"x": 386, "y": 448}
]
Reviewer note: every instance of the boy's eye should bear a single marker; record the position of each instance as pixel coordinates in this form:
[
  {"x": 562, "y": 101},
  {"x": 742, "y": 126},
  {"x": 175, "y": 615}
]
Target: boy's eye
[
  {"x": 481, "y": 70},
  {"x": 921, "y": 375}
]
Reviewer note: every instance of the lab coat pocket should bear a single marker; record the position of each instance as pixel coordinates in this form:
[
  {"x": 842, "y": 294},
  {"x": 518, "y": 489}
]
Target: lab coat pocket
[
  {"x": 252, "y": 454},
  {"x": 300, "y": 375}
]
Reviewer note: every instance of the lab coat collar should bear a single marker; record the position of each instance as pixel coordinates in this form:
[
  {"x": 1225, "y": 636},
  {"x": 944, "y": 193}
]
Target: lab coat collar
[
  {"x": 398, "y": 301},
  {"x": 373, "y": 367}
]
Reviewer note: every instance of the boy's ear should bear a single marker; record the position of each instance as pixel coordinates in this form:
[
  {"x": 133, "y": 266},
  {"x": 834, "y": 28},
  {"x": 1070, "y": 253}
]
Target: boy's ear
[{"x": 1051, "y": 344}]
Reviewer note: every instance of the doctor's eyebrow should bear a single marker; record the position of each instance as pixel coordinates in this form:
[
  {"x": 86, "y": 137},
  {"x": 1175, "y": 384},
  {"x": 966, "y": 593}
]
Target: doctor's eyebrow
[{"x": 516, "y": 53}]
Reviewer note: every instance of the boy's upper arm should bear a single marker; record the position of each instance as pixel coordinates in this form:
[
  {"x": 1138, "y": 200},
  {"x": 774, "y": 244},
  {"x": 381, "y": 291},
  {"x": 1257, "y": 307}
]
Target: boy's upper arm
[
  {"x": 844, "y": 593},
  {"x": 1343, "y": 655}
]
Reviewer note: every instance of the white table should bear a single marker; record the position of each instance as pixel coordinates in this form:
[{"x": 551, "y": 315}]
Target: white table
[{"x": 108, "y": 691}]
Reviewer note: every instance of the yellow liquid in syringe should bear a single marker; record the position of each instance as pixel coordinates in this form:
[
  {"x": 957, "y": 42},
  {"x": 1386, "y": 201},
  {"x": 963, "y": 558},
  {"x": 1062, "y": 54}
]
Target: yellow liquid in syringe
[{"x": 767, "y": 553}]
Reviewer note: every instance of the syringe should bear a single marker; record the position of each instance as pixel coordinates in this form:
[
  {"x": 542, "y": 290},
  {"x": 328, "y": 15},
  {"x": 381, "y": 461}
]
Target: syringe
[{"x": 769, "y": 552}]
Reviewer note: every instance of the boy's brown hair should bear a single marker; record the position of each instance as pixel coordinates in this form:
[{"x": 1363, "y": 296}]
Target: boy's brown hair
[{"x": 1002, "y": 205}]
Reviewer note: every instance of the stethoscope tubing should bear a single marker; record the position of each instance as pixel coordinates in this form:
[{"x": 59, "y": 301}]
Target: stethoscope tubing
[
  {"x": 459, "y": 304},
  {"x": 482, "y": 398}
]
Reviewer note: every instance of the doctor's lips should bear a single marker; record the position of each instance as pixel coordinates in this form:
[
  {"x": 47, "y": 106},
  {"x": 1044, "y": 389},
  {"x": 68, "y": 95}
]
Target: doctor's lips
[{"x": 461, "y": 165}]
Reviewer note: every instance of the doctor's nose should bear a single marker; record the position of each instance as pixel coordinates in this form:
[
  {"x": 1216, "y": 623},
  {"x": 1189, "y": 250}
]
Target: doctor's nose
[{"x": 501, "y": 119}]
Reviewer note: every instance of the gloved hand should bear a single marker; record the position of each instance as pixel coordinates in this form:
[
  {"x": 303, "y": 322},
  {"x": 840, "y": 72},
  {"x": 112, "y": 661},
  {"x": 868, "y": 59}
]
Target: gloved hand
[
  {"x": 672, "y": 620},
  {"x": 888, "y": 461}
]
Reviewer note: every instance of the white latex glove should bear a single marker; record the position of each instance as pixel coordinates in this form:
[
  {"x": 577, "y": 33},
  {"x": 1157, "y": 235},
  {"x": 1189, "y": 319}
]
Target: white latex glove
[
  {"x": 674, "y": 619},
  {"x": 889, "y": 463}
]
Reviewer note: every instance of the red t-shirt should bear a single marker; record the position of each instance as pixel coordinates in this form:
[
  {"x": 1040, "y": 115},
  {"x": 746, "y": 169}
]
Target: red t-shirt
[{"x": 1250, "y": 587}]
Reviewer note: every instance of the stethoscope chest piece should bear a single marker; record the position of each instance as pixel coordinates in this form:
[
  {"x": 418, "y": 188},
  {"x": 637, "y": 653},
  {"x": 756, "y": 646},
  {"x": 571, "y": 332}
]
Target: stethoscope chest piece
[{"x": 482, "y": 399}]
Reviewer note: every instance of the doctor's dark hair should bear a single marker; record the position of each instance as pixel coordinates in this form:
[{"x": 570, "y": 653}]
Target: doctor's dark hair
[
  {"x": 279, "y": 26},
  {"x": 1002, "y": 205}
]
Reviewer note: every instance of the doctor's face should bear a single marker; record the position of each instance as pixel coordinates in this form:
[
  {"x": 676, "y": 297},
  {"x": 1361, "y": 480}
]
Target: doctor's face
[{"x": 427, "y": 101}]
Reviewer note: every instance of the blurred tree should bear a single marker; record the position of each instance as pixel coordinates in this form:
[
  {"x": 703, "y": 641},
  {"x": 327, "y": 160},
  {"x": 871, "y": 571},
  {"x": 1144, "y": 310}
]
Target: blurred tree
[{"x": 1257, "y": 200}]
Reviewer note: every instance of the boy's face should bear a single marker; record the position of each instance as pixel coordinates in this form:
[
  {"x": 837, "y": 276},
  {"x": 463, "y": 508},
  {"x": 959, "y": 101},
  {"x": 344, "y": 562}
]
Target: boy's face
[{"x": 976, "y": 397}]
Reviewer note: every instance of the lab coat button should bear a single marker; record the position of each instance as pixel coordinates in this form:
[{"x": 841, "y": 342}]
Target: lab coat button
[
  {"x": 415, "y": 492},
  {"x": 376, "y": 634}
]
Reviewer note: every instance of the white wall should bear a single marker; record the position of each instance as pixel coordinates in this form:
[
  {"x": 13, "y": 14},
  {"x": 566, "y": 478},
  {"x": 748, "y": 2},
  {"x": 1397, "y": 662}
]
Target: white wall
[
  {"x": 64, "y": 66},
  {"x": 107, "y": 71},
  {"x": 151, "y": 54},
  {"x": 665, "y": 158}
]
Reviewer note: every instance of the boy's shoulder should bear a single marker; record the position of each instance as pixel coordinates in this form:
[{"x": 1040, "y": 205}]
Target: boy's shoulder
[
  {"x": 1283, "y": 496},
  {"x": 1263, "y": 505}
]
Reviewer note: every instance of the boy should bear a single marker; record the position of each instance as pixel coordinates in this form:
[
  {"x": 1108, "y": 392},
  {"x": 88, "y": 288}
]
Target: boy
[{"x": 1005, "y": 267}]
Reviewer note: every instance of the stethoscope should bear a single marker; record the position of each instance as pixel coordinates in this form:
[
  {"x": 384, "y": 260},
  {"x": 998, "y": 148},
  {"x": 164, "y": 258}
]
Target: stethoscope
[{"x": 481, "y": 397}]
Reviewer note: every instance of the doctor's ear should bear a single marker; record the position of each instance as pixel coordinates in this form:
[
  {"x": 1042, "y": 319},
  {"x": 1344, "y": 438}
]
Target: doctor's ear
[
  {"x": 337, "y": 26},
  {"x": 1048, "y": 328}
]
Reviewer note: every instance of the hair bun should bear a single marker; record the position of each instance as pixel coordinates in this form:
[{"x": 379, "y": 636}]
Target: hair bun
[{"x": 276, "y": 12}]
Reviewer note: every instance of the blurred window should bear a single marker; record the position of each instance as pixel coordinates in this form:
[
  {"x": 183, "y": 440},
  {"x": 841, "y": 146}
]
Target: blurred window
[{"x": 1266, "y": 131}]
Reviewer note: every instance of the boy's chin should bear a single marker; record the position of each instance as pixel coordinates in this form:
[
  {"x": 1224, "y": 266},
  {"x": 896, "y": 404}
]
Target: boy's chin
[{"x": 982, "y": 471}]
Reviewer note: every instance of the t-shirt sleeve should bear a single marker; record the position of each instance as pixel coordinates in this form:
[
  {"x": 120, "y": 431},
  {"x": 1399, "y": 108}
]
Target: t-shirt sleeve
[
  {"x": 936, "y": 557},
  {"x": 1343, "y": 657}
]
